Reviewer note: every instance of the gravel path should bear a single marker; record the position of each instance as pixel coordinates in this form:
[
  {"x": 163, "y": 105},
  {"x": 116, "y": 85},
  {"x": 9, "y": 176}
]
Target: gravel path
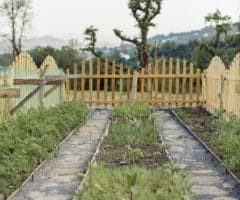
[
  {"x": 209, "y": 176},
  {"x": 59, "y": 177}
]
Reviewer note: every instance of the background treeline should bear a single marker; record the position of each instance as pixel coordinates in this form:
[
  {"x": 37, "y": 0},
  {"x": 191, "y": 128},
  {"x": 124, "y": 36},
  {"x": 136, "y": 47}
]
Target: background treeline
[{"x": 191, "y": 51}]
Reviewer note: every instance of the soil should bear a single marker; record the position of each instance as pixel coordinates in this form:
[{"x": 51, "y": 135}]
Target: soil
[
  {"x": 200, "y": 122},
  {"x": 114, "y": 156}
]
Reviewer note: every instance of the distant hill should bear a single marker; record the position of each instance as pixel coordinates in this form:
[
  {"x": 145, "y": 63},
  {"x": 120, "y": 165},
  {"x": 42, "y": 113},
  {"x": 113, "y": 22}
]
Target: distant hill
[
  {"x": 32, "y": 42},
  {"x": 184, "y": 37},
  {"x": 43, "y": 41}
]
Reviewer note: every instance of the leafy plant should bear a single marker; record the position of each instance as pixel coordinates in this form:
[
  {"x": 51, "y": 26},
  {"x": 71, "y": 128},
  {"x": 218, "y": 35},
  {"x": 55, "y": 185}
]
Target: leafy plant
[
  {"x": 137, "y": 184},
  {"x": 30, "y": 137},
  {"x": 132, "y": 155}
]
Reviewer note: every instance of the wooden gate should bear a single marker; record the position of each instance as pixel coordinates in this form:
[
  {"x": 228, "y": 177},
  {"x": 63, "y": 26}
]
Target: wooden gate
[{"x": 166, "y": 82}]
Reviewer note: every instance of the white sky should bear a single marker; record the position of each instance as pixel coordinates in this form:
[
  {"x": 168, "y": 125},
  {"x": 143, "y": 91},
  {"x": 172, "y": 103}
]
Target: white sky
[{"x": 68, "y": 18}]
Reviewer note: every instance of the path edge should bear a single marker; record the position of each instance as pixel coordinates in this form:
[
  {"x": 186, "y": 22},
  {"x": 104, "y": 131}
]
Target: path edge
[{"x": 227, "y": 169}]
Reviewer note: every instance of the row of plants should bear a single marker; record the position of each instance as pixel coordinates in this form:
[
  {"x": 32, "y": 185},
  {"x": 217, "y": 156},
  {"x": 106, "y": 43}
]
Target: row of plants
[
  {"x": 219, "y": 132},
  {"x": 132, "y": 164},
  {"x": 29, "y": 138}
]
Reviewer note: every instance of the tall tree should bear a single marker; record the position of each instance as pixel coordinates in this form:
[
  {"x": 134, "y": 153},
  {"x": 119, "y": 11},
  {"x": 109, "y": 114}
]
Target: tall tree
[
  {"x": 222, "y": 25},
  {"x": 144, "y": 11},
  {"x": 19, "y": 15},
  {"x": 91, "y": 39}
]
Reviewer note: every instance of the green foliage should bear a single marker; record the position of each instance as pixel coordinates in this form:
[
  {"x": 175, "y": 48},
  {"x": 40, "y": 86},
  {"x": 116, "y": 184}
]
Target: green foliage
[
  {"x": 65, "y": 57},
  {"x": 163, "y": 183},
  {"x": 30, "y": 137},
  {"x": 143, "y": 12},
  {"x": 227, "y": 142},
  {"x": 132, "y": 155},
  {"x": 91, "y": 37},
  {"x": 132, "y": 132},
  {"x": 133, "y": 110}
]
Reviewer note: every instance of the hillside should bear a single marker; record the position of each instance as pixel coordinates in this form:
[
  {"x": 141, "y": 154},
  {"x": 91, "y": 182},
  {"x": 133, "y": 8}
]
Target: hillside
[{"x": 179, "y": 38}]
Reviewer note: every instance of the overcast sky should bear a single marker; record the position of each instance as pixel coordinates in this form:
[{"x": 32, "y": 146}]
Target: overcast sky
[{"x": 68, "y": 18}]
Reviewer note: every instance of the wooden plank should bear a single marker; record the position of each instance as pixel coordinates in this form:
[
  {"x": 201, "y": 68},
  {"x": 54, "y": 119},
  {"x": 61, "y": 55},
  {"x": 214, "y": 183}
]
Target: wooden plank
[
  {"x": 9, "y": 92},
  {"x": 83, "y": 81},
  {"x": 142, "y": 86},
  {"x": 204, "y": 89},
  {"x": 98, "y": 78},
  {"x": 170, "y": 82},
  {"x": 134, "y": 86},
  {"x": 106, "y": 82},
  {"x": 184, "y": 82},
  {"x": 52, "y": 89},
  {"x": 191, "y": 85},
  {"x": 177, "y": 81},
  {"x": 67, "y": 82},
  {"x": 158, "y": 102},
  {"x": 237, "y": 88},
  {"x": 156, "y": 66},
  {"x": 71, "y": 76},
  {"x": 90, "y": 81},
  {"x": 27, "y": 98},
  {"x": 2, "y": 83},
  {"x": 221, "y": 97},
  {"x": 38, "y": 81},
  {"x": 163, "y": 81},
  {"x": 149, "y": 85},
  {"x": 198, "y": 86},
  {"x": 121, "y": 83},
  {"x": 75, "y": 71},
  {"x": 128, "y": 86},
  {"x": 113, "y": 82}
]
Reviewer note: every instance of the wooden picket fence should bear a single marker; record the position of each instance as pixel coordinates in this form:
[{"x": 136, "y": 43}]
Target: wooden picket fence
[
  {"x": 25, "y": 68},
  {"x": 178, "y": 84},
  {"x": 166, "y": 83},
  {"x": 221, "y": 86}
]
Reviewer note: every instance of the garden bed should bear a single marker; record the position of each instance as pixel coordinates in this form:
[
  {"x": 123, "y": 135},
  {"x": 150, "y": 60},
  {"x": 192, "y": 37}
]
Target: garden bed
[
  {"x": 29, "y": 138},
  {"x": 221, "y": 134},
  {"x": 132, "y": 163}
]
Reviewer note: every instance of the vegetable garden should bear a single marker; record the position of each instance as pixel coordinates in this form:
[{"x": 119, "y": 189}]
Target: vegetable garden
[{"x": 132, "y": 164}]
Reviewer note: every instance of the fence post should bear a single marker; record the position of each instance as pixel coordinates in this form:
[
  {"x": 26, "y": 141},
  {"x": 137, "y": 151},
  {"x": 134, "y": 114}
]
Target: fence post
[
  {"x": 43, "y": 72},
  {"x": 75, "y": 70},
  {"x": 222, "y": 92},
  {"x": 67, "y": 85},
  {"x": 134, "y": 86},
  {"x": 204, "y": 92},
  {"x": 9, "y": 103}
]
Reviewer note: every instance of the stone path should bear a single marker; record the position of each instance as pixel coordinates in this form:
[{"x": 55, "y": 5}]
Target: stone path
[
  {"x": 209, "y": 176},
  {"x": 59, "y": 177}
]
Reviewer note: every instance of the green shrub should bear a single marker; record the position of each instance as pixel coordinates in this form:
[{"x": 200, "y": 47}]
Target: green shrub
[{"x": 27, "y": 140}]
